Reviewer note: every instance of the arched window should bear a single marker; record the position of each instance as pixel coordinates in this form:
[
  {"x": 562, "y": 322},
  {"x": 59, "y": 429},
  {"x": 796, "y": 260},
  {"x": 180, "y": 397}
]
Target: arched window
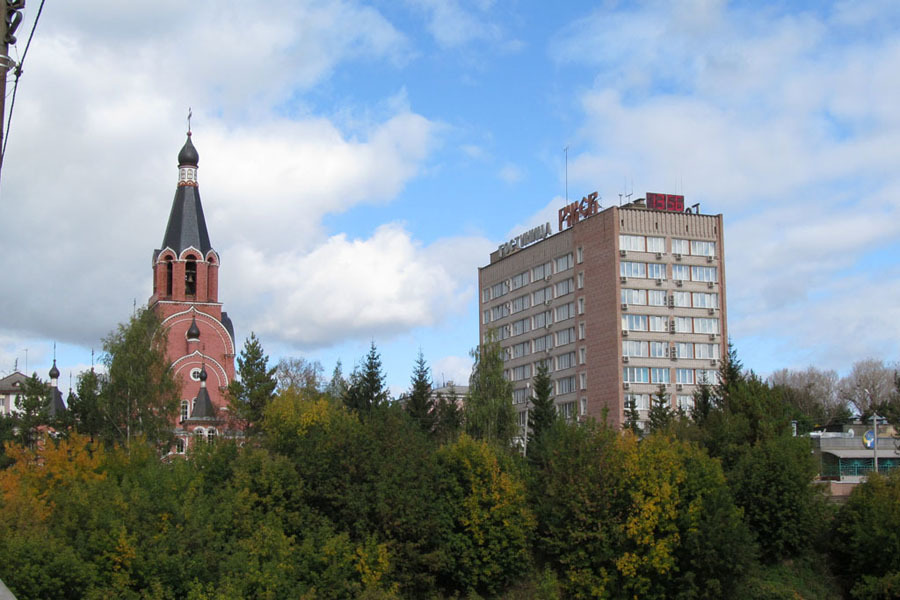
[
  {"x": 179, "y": 445},
  {"x": 199, "y": 434},
  {"x": 190, "y": 276},
  {"x": 168, "y": 276},
  {"x": 185, "y": 407},
  {"x": 211, "y": 435}
]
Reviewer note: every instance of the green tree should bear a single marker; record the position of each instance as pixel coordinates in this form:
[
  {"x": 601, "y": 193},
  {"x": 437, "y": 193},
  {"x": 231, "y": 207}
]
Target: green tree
[
  {"x": 86, "y": 404},
  {"x": 419, "y": 403},
  {"x": 33, "y": 404},
  {"x": 731, "y": 373},
  {"x": 543, "y": 410},
  {"x": 661, "y": 415},
  {"x": 140, "y": 396},
  {"x": 337, "y": 387},
  {"x": 449, "y": 416},
  {"x": 489, "y": 413},
  {"x": 254, "y": 388},
  {"x": 704, "y": 403},
  {"x": 366, "y": 390},
  {"x": 632, "y": 415},
  {"x": 300, "y": 373}
]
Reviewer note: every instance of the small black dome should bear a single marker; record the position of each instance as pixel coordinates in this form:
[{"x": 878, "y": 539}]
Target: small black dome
[
  {"x": 54, "y": 372},
  {"x": 203, "y": 374},
  {"x": 188, "y": 156},
  {"x": 193, "y": 332}
]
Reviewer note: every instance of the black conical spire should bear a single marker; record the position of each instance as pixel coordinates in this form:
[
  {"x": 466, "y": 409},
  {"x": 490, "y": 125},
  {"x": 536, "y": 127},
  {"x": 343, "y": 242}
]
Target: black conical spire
[
  {"x": 193, "y": 332},
  {"x": 187, "y": 226}
]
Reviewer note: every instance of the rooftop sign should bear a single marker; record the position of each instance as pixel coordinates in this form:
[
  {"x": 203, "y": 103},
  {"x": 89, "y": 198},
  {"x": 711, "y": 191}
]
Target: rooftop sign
[
  {"x": 574, "y": 212},
  {"x": 524, "y": 239},
  {"x": 666, "y": 202}
]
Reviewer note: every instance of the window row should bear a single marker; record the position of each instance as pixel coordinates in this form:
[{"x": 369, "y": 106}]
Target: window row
[
  {"x": 542, "y": 271},
  {"x": 663, "y": 375},
  {"x": 632, "y": 322},
  {"x": 684, "y": 402},
  {"x": 526, "y": 301},
  {"x": 640, "y": 243},
  {"x": 641, "y": 270},
  {"x": 655, "y": 349},
  {"x": 675, "y": 299}
]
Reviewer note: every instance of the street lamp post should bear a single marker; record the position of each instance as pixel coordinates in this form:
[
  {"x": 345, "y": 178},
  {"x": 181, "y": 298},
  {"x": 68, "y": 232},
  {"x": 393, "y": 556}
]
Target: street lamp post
[{"x": 875, "y": 441}]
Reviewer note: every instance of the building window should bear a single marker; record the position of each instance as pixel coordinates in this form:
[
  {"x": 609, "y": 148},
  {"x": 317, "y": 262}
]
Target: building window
[
  {"x": 521, "y": 303},
  {"x": 499, "y": 311},
  {"x": 566, "y": 410},
  {"x": 565, "y": 361},
  {"x": 545, "y": 342},
  {"x": 579, "y": 255},
  {"x": 681, "y": 299},
  {"x": 564, "y": 262},
  {"x": 190, "y": 276},
  {"x": 658, "y": 349},
  {"x": 566, "y": 286},
  {"x": 582, "y": 355},
  {"x": 566, "y": 336},
  {"x": 686, "y": 403},
  {"x": 635, "y": 297},
  {"x": 634, "y": 322},
  {"x": 521, "y": 372},
  {"x": 633, "y": 348},
  {"x": 541, "y": 272},
  {"x": 211, "y": 434},
  {"x": 499, "y": 289},
  {"x": 684, "y": 350},
  {"x": 659, "y": 323},
  {"x": 704, "y": 325},
  {"x": 179, "y": 445},
  {"x": 632, "y": 269},
  {"x": 521, "y": 326},
  {"x": 681, "y": 247},
  {"x": 707, "y": 376},
  {"x": 485, "y": 294},
  {"x": 185, "y": 407},
  {"x": 565, "y": 385},
  {"x": 581, "y": 306},
  {"x": 584, "y": 406},
  {"x": 656, "y": 298},
  {"x": 580, "y": 280},
  {"x": 636, "y": 375},
  {"x": 681, "y": 272},
  {"x": 520, "y": 396},
  {"x": 659, "y": 375},
  {"x": 547, "y": 362},
  {"x": 581, "y": 331},
  {"x": 706, "y": 351},
  {"x": 683, "y": 325},
  {"x": 704, "y": 273},
  {"x": 656, "y": 271},
  {"x": 641, "y": 401},
  {"x": 656, "y": 244},
  {"x": 521, "y": 349},
  {"x": 634, "y": 243},
  {"x": 705, "y": 300},
  {"x": 543, "y": 295},
  {"x": 684, "y": 376},
  {"x": 702, "y": 248},
  {"x": 582, "y": 381},
  {"x": 566, "y": 311},
  {"x": 543, "y": 319},
  {"x": 520, "y": 280},
  {"x": 168, "y": 276}
]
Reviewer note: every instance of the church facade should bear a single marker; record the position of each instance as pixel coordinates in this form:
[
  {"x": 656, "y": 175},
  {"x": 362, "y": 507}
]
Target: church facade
[{"x": 200, "y": 336}]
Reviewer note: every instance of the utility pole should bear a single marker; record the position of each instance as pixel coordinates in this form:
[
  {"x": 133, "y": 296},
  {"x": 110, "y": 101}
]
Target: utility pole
[{"x": 9, "y": 23}]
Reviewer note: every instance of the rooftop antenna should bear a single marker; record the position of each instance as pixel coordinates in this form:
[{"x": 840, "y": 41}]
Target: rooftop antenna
[
  {"x": 566, "y": 150},
  {"x": 16, "y": 364},
  {"x": 631, "y": 193},
  {"x": 92, "y": 359}
]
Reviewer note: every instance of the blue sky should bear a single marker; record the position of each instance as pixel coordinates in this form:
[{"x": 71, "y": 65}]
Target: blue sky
[{"x": 359, "y": 161}]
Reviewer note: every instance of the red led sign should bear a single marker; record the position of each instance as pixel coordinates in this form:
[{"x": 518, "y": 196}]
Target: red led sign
[{"x": 666, "y": 202}]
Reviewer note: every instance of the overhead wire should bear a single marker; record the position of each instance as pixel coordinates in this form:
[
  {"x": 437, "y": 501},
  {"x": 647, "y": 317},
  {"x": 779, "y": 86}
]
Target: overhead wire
[{"x": 18, "y": 73}]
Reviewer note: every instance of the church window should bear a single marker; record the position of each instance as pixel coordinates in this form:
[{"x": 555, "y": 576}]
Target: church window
[
  {"x": 184, "y": 409},
  {"x": 190, "y": 276},
  {"x": 168, "y": 276},
  {"x": 179, "y": 445},
  {"x": 211, "y": 435}
]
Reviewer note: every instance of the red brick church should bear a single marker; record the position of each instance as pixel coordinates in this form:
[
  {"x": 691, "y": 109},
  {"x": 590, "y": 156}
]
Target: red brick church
[{"x": 186, "y": 297}]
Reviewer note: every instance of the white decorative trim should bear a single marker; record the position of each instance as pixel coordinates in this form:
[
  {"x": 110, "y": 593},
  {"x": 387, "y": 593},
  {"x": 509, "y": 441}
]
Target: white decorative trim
[
  {"x": 192, "y": 311},
  {"x": 221, "y": 374}
]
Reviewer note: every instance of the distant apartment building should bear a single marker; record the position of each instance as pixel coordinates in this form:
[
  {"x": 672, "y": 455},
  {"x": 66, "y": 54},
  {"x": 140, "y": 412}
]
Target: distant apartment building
[{"x": 618, "y": 302}]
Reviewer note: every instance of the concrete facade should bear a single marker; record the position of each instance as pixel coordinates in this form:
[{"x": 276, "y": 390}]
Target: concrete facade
[{"x": 620, "y": 302}]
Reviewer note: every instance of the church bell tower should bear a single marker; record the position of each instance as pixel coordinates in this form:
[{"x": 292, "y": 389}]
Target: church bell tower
[{"x": 200, "y": 336}]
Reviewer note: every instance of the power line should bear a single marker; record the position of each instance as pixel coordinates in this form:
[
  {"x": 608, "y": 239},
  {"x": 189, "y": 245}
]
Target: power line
[{"x": 18, "y": 72}]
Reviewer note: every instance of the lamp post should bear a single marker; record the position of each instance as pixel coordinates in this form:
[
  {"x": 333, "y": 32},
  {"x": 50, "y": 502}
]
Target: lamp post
[{"x": 874, "y": 429}]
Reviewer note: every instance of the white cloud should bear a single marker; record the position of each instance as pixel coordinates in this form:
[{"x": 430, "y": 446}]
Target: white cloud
[
  {"x": 455, "y": 369},
  {"x": 510, "y": 173},
  {"x": 354, "y": 288}
]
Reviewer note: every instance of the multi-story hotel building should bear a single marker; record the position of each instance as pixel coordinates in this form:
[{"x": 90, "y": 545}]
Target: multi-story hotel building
[{"x": 618, "y": 302}]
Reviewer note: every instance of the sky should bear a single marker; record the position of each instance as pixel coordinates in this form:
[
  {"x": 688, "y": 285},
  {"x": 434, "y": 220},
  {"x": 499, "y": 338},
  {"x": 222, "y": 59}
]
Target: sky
[{"x": 359, "y": 162}]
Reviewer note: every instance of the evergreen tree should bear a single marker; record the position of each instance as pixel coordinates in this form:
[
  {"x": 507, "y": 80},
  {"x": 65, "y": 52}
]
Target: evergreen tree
[
  {"x": 731, "y": 374},
  {"x": 632, "y": 416},
  {"x": 419, "y": 403},
  {"x": 140, "y": 396},
  {"x": 33, "y": 404},
  {"x": 489, "y": 413},
  {"x": 704, "y": 403},
  {"x": 661, "y": 414},
  {"x": 366, "y": 391},
  {"x": 85, "y": 404},
  {"x": 543, "y": 410},
  {"x": 449, "y": 416},
  {"x": 337, "y": 387},
  {"x": 251, "y": 392}
]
